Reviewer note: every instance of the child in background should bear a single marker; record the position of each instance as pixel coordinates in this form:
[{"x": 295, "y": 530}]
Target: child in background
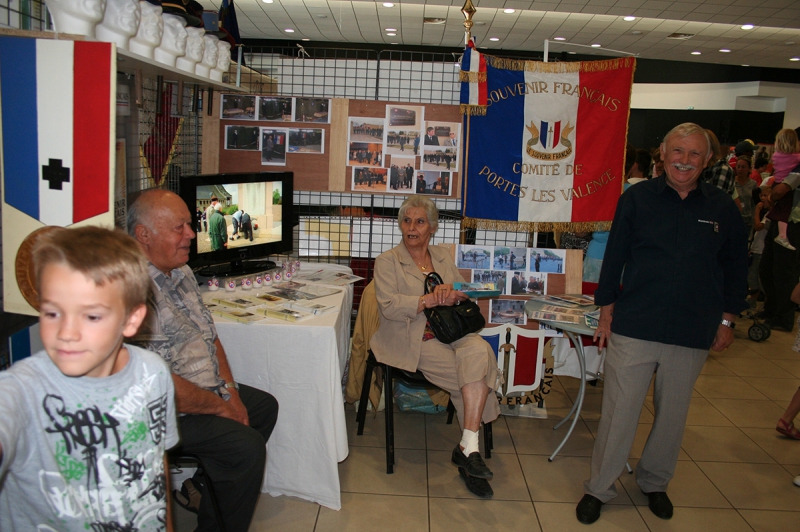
[
  {"x": 84, "y": 424},
  {"x": 760, "y": 227},
  {"x": 785, "y": 159}
]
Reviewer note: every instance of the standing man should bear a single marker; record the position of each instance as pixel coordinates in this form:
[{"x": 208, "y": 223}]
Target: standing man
[
  {"x": 682, "y": 247},
  {"x": 430, "y": 138},
  {"x": 247, "y": 226},
  {"x": 217, "y": 230},
  {"x": 225, "y": 424},
  {"x": 420, "y": 184},
  {"x": 210, "y": 210}
]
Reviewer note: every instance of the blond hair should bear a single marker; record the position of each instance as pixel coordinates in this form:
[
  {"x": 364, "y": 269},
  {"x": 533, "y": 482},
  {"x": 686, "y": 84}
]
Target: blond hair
[
  {"x": 102, "y": 255},
  {"x": 786, "y": 141}
]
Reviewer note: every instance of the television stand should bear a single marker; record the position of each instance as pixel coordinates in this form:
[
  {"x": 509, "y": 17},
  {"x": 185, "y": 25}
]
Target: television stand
[{"x": 236, "y": 268}]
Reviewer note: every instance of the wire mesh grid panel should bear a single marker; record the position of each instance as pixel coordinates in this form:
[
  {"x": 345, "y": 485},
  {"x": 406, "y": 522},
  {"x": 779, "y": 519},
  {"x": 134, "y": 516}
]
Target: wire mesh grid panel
[
  {"x": 169, "y": 138},
  {"x": 419, "y": 77},
  {"x": 24, "y": 15}
]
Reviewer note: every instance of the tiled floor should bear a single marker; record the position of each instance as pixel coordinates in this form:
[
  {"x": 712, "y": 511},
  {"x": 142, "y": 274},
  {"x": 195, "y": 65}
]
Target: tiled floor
[{"x": 734, "y": 472}]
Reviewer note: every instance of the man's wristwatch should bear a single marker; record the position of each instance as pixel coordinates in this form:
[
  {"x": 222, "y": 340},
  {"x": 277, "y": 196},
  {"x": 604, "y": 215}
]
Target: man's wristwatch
[
  {"x": 232, "y": 384},
  {"x": 729, "y": 323}
]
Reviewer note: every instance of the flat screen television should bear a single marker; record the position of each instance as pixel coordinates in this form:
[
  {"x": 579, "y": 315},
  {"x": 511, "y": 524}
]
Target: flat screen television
[{"x": 265, "y": 196}]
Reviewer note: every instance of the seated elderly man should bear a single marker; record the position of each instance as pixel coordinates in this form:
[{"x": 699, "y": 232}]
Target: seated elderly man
[{"x": 225, "y": 424}]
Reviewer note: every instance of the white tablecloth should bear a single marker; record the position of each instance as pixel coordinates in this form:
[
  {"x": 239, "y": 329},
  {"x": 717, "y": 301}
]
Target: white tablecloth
[{"x": 301, "y": 364}]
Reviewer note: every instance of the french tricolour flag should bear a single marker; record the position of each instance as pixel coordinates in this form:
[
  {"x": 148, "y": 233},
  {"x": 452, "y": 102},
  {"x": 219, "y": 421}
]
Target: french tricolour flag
[
  {"x": 551, "y": 145},
  {"x": 473, "y": 74},
  {"x": 57, "y": 127}
]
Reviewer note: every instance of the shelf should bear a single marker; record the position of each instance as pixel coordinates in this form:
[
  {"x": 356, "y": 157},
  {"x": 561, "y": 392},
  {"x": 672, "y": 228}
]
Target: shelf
[{"x": 129, "y": 62}]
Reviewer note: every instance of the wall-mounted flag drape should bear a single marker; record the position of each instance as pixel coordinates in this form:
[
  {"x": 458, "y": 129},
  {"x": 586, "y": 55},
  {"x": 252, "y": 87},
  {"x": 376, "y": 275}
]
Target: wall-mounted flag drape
[{"x": 548, "y": 152}]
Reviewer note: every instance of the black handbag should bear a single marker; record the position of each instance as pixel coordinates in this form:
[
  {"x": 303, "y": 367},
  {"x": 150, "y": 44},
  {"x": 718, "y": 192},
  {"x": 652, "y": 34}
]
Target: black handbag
[{"x": 451, "y": 323}]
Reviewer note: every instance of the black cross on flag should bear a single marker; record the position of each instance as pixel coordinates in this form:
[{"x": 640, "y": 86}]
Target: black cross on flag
[{"x": 55, "y": 174}]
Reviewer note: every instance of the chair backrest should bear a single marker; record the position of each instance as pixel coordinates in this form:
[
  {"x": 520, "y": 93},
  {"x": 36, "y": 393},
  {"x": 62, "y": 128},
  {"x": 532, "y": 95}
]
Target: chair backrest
[{"x": 520, "y": 355}]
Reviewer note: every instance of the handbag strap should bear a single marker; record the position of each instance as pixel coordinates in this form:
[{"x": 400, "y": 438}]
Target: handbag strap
[{"x": 432, "y": 280}]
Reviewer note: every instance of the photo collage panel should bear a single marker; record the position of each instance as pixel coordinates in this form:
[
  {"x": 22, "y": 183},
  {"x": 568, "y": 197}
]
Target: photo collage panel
[{"x": 514, "y": 271}]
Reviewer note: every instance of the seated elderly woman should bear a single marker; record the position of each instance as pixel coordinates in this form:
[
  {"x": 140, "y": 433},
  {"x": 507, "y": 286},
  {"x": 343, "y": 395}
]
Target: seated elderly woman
[{"x": 466, "y": 368}]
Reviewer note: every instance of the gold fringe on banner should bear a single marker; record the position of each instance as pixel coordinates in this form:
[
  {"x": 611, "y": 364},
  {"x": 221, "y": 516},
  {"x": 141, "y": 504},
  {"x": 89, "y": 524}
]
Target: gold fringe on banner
[
  {"x": 560, "y": 67},
  {"x": 472, "y": 110},
  {"x": 472, "y": 77},
  {"x": 530, "y": 227}
]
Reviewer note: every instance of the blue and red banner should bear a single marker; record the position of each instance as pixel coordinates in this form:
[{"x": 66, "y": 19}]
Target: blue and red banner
[
  {"x": 548, "y": 153},
  {"x": 57, "y": 127}
]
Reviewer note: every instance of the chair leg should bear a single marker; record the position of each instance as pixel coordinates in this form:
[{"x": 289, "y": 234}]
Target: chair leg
[
  {"x": 488, "y": 444},
  {"x": 389, "y": 416},
  {"x": 361, "y": 415},
  {"x": 451, "y": 409}
]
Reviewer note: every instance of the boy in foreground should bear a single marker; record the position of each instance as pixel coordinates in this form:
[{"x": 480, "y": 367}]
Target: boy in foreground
[{"x": 84, "y": 424}]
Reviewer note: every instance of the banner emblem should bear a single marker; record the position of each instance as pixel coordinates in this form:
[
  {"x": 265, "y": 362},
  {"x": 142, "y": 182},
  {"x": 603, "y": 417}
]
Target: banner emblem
[{"x": 551, "y": 137}]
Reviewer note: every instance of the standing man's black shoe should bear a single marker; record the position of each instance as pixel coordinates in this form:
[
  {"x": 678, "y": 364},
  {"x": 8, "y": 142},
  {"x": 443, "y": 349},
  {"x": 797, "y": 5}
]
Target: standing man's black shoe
[
  {"x": 588, "y": 510},
  {"x": 659, "y": 504},
  {"x": 472, "y": 464},
  {"x": 478, "y": 486}
]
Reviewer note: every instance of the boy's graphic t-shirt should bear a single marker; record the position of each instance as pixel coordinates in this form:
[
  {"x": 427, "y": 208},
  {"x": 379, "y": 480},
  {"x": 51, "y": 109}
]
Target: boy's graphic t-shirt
[{"x": 85, "y": 453}]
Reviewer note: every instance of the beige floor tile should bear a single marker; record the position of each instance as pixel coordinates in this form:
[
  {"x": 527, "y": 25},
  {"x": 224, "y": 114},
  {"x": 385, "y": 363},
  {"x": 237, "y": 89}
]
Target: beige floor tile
[
  {"x": 741, "y": 347},
  {"x": 722, "y": 444},
  {"x": 703, "y": 413},
  {"x": 376, "y": 513},
  {"x": 536, "y": 436},
  {"x": 776, "y": 351},
  {"x": 508, "y": 483},
  {"x": 754, "y": 486},
  {"x": 409, "y": 430},
  {"x": 364, "y": 471},
  {"x": 560, "y": 398},
  {"x": 443, "y": 437},
  {"x": 753, "y": 367},
  {"x": 560, "y": 517},
  {"x": 780, "y": 390},
  {"x": 561, "y": 480},
  {"x": 722, "y": 387},
  {"x": 749, "y": 412},
  {"x": 792, "y": 366},
  {"x": 714, "y": 367},
  {"x": 690, "y": 487},
  {"x": 459, "y": 515},
  {"x": 782, "y": 449},
  {"x": 771, "y": 521},
  {"x": 700, "y": 519},
  {"x": 285, "y": 514}
]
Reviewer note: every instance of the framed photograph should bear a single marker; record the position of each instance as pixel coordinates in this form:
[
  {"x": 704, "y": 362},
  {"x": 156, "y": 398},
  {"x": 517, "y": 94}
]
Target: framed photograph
[
  {"x": 401, "y": 175},
  {"x": 409, "y": 117},
  {"x": 273, "y": 146},
  {"x": 446, "y": 134},
  {"x": 546, "y": 260},
  {"x": 498, "y": 277},
  {"x": 241, "y": 138},
  {"x": 507, "y": 311},
  {"x": 437, "y": 183},
  {"x": 271, "y": 108},
  {"x": 472, "y": 257},
  {"x": 365, "y": 154},
  {"x": 369, "y": 179},
  {"x": 506, "y": 258},
  {"x": 532, "y": 283},
  {"x": 365, "y": 129},
  {"x": 238, "y": 107},
  {"x": 306, "y": 141},
  {"x": 402, "y": 142},
  {"x": 439, "y": 158},
  {"x": 312, "y": 110}
]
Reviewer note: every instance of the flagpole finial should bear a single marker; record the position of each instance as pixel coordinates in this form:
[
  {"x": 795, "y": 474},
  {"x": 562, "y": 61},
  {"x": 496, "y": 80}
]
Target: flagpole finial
[{"x": 468, "y": 10}]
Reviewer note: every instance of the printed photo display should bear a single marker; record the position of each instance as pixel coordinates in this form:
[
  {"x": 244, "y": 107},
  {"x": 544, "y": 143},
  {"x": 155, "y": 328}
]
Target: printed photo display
[
  {"x": 241, "y": 138},
  {"x": 307, "y": 141},
  {"x": 507, "y": 311},
  {"x": 273, "y": 146},
  {"x": 514, "y": 271}
]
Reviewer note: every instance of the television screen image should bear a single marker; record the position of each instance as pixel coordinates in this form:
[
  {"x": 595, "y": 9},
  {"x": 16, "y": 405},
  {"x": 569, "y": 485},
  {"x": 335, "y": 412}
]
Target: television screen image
[{"x": 254, "y": 218}]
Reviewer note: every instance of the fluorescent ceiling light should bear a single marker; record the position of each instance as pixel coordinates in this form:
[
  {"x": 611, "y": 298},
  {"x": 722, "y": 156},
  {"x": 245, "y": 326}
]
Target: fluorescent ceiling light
[
  {"x": 747, "y": 26},
  {"x": 509, "y": 11},
  {"x": 629, "y": 19},
  {"x": 493, "y": 39}
]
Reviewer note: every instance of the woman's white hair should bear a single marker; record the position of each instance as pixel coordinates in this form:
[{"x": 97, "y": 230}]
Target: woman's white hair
[{"x": 421, "y": 202}]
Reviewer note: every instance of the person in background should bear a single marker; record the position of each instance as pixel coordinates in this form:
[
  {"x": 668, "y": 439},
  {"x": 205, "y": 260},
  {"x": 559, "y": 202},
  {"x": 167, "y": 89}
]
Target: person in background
[
  {"x": 247, "y": 226},
  {"x": 744, "y": 189},
  {"x": 640, "y": 166},
  {"x": 677, "y": 302},
  {"x": 210, "y": 209},
  {"x": 467, "y": 368},
  {"x": 785, "y": 159},
  {"x": 786, "y": 423},
  {"x": 224, "y": 423},
  {"x": 236, "y": 220},
  {"x": 760, "y": 227},
  {"x": 658, "y": 164},
  {"x": 760, "y": 172},
  {"x": 718, "y": 172},
  {"x": 218, "y": 230}
]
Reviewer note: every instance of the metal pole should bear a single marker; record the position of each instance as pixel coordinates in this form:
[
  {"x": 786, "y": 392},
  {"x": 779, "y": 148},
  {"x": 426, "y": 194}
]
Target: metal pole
[
  {"x": 239, "y": 67},
  {"x": 546, "y": 49}
]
